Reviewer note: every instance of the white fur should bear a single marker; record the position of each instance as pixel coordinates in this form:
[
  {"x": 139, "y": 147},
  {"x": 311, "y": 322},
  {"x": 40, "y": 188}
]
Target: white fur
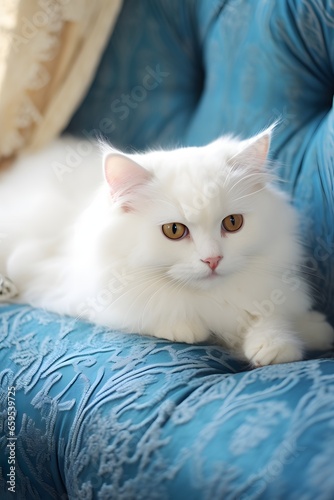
[{"x": 93, "y": 248}]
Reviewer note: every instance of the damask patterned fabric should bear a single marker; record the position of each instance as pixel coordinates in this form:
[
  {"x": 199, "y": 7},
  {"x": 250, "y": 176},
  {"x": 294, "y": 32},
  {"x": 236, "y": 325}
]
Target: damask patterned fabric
[
  {"x": 105, "y": 415},
  {"x": 108, "y": 415},
  {"x": 49, "y": 51}
]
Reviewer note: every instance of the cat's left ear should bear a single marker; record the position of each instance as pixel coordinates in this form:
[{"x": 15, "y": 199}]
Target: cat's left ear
[
  {"x": 254, "y": 151},
  {"x": 125, "y": 178}
]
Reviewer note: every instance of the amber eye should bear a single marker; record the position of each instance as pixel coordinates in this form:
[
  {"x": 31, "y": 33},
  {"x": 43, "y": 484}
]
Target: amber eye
[
  {"x": 175, "y": 230},
  {"x": 232, "y": 222}
]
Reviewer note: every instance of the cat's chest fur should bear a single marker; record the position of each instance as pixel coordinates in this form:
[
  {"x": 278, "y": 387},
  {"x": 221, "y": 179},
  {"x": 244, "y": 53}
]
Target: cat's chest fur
[{"x": 157, "y": 306}]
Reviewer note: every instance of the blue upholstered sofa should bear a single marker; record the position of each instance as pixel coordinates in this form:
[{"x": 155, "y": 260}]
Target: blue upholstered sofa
[{"x": 106, "y": 415}]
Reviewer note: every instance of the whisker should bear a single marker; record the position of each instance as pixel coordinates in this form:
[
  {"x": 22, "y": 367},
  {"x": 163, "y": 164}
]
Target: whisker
[
  {"x": 249, "y": 194},
  {"x": 173, "y": 285},
  {"x": 248, "y": 180},
  {"x": 145, "y": 280}
]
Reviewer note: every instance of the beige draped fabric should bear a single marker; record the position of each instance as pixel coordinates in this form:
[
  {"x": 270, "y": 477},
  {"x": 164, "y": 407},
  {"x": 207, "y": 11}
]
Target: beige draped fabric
[{"x": 49, "y": 51}]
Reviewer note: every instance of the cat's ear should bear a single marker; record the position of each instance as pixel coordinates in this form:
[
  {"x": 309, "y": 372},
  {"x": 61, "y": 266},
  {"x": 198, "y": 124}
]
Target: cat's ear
[
  {"x": 253, "y": 152},
  {"x": 125, "y": 178}
]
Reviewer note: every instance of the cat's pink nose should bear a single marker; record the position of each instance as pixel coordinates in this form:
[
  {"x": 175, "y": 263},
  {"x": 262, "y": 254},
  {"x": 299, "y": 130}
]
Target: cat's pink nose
[{"x": 212, "y": 262}]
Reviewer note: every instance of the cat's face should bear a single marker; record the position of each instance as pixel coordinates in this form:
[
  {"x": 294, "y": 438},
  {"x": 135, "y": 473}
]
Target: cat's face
[{"x": 196, "y": 215}]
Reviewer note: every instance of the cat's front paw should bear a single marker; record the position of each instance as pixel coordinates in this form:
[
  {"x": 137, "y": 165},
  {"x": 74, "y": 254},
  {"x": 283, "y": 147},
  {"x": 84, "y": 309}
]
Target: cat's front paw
[
  {"x": 268, "y": 348},
  {"x": 183, "y": 332}
]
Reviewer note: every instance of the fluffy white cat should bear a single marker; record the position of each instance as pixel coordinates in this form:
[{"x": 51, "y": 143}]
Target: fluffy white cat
[{"x": 184, "y": 245}]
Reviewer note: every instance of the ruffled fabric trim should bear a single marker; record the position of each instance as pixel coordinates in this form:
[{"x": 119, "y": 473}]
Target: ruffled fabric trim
[{"x": 49, "y": 51}]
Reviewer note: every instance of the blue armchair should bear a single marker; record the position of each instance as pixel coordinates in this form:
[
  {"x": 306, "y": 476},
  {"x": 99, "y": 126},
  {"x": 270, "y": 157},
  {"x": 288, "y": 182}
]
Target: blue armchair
[{"x": 87, "y": 413}]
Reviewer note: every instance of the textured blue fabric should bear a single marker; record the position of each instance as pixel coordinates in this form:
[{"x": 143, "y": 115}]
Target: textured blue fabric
[
  {"x": 107, "y": 415},
  {"x": 150, "y": 77},
  {"x": 111, "y": 416}
]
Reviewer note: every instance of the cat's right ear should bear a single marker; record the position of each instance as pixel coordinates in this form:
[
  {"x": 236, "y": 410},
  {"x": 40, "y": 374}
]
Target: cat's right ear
[{"x": 125, "y": 179}]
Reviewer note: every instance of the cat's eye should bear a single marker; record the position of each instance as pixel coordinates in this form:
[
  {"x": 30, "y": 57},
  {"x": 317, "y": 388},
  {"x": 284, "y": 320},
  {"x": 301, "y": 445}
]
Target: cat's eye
[
  {"x": 175, "y": 230},
  {"x": 232, "y": 222}
]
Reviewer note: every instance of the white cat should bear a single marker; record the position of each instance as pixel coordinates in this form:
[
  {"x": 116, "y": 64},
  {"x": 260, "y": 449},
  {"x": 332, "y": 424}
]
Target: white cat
[{"x": 184, "y": 245}]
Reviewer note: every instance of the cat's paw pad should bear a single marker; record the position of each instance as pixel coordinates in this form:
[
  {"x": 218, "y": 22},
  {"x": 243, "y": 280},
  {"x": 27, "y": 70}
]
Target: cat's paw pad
[
  {"x": 317, "y": 333},
  {"x": 266, "y": 350}
]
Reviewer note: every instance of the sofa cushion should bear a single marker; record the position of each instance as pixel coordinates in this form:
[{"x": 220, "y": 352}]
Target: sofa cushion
[
  {"x": 102, "y": 414},
  {"x": 149, "y": 79}
]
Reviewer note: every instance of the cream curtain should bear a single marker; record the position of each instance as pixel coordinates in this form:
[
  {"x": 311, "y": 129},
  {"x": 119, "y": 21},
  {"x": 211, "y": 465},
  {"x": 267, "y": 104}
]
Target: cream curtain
[{"x": 49, "y": 51}]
